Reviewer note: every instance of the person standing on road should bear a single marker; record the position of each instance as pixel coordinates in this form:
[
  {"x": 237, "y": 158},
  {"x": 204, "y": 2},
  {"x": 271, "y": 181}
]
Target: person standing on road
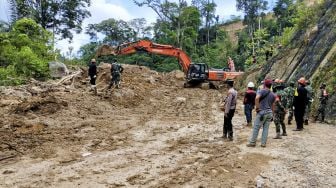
[
  {"x": 300, "y": 101},
  {"x": 249, "y": 102},
  {"x": 265, "y": 101},
  {"x": 280, "y": 109},
  {"x": 116, "y": 70},
  {"x": 323, "y": 98},
  {"x": 290, "y": 97},
  {"x": 310, "y": 97},
  {"x": 230, "y": 107},
  {"x": 93, "y": 75}
]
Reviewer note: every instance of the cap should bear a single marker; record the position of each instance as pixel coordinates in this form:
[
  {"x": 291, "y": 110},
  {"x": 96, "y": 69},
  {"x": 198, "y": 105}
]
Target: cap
[
  {"x": 268, "y": 81},
  {"x": 93, "y": 60}
]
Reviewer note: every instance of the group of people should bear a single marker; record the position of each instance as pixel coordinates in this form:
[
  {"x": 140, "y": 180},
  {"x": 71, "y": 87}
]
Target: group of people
[
  {"x": 116, "y": 70},
  {"x": 272, "y": 101}
]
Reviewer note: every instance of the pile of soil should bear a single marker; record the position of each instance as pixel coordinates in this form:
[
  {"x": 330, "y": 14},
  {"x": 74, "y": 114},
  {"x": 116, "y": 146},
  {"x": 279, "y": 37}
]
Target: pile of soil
[{"x": 151, "y": 132}]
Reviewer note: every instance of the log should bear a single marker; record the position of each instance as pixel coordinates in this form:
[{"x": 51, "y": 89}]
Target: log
[{"x": 69, "y": 77}]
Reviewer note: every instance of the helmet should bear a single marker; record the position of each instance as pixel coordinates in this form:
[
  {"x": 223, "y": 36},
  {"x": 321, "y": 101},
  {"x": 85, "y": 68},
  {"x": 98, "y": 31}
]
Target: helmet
[
  {"x": 250, "y": 84},
  {"x": 93, "y": 60},
  {"x": 302, "y": 81}
]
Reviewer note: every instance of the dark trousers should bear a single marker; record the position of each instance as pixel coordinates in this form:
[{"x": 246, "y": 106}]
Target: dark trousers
[
  {"x": 248, "y": 112},
  {"x": 227, "y": 127},
  {"x": 299, "y": 114},
  {"x": 92, "y": 80}
]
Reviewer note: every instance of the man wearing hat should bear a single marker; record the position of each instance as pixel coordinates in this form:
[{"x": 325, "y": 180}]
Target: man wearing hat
[
  {"x": 299, "y": 103},
  {"x": 230, "y": 107},
  {"x": 264, "y": 102},
  {"x": 249, "y": 102},
  {"x": 93, "y": 75}
]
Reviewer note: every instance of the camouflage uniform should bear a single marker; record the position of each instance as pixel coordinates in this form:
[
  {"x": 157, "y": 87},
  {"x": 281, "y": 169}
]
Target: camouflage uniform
[
  {"x": 323, "y": 103},
  {"x": 116, "y": 70},
  {"x": 310, "y": 96},
  {"x": 290, "y": 98},
  {"x": 280, "y": 112}
]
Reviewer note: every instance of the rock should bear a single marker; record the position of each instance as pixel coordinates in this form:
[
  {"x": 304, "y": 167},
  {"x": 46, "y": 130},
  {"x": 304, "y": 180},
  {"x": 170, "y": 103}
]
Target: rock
[
  {"x": 180, "y": 100},
  {"x": 58, "y": 70},
  {"x": 151, "y": 80}
]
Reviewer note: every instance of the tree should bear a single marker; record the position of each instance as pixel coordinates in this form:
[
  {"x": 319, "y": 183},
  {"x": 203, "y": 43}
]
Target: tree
[
  {"x": 162, "y": 8},
  {"x": 87, "y": 51},
  {"x": 115, "y": 31},
  {"x": 4, "y": 26},
  {"x": 190, "y": 22},
  {"x": 59, "y": 16},
  {"x": 139, "y": 25},
  {"x": 208, "y": 11},
  {"x": 252, "y": 10},
  {"x": 285, "y": 11},
  {"x": 24, "y": 52}
]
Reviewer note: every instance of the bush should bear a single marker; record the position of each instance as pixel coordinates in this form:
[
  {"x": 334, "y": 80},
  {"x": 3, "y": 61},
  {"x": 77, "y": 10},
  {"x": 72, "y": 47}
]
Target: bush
[{"x": 24, "y": 53}]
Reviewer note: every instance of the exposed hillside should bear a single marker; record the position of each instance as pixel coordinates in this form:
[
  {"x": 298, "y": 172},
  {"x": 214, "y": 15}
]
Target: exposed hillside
[
  {"x": 311, "y": 53},
  {"x": 232, "y": 30}
]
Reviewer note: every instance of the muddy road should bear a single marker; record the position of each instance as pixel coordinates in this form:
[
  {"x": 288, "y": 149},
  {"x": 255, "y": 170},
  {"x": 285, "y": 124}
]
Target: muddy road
[{"x": 150, "y": 133}]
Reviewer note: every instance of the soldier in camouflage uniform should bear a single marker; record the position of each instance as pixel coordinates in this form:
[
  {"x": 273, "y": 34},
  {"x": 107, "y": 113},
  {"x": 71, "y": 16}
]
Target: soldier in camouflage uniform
[
  {"x": 323, "y": 102},
  {"x": 290, "y": 98},
  {"x": 280, "y": 109},
  {"x": 310, "y": 96},
  {"x": 116, "y": 70}
]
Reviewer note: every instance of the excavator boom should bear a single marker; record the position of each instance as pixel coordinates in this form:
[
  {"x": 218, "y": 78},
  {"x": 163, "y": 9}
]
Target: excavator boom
[
  {"x": 195, "y": 73},
  {"x": 149, "y": 47}
]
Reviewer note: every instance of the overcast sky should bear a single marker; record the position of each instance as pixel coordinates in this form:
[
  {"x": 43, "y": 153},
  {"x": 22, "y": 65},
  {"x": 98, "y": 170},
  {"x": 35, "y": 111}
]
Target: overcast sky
[{"x": 120, "y": 9}]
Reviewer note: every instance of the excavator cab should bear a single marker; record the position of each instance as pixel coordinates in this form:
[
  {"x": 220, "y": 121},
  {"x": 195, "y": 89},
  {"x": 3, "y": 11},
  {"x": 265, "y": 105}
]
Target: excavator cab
[{"x": 197, "y": 73}]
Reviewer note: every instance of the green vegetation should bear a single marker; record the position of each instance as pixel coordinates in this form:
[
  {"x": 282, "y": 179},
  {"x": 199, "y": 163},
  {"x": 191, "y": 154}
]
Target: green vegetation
[{"x": 24, "y": 52}]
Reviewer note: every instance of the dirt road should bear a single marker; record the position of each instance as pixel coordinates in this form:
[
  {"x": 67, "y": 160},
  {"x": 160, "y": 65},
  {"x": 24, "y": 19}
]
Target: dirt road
[{"x": 150, "y": 133}]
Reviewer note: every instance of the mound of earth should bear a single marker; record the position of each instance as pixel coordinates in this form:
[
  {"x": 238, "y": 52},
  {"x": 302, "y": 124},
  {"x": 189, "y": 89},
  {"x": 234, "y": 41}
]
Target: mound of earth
[{"x": 151, "y": 132}]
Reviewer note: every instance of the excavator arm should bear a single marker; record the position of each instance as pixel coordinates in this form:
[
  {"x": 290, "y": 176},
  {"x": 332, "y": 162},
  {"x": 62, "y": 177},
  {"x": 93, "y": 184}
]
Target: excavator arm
[
  {"x": 149, "y": 47},
  {"x": 195, "y": 73}
]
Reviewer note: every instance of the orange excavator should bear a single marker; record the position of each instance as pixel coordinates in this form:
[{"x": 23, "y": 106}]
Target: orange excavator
[{"x": 196, "y": 73}]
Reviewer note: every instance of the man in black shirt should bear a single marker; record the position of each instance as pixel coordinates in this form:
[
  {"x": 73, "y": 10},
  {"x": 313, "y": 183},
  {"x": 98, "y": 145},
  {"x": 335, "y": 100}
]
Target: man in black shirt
[
  {"x": 93, "y": 75},
  {"x": 299, "y": 103}
]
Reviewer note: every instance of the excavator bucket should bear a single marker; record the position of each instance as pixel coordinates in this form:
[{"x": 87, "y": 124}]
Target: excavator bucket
[{"x": 105, "y": 50}]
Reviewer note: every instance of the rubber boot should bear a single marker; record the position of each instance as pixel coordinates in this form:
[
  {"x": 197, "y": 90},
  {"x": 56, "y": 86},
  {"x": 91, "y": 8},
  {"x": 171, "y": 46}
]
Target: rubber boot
[
  {"x": 322, "y": 121},
  {"x": 94, "y": 89},
  {"x": 278, "y": 136}
]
